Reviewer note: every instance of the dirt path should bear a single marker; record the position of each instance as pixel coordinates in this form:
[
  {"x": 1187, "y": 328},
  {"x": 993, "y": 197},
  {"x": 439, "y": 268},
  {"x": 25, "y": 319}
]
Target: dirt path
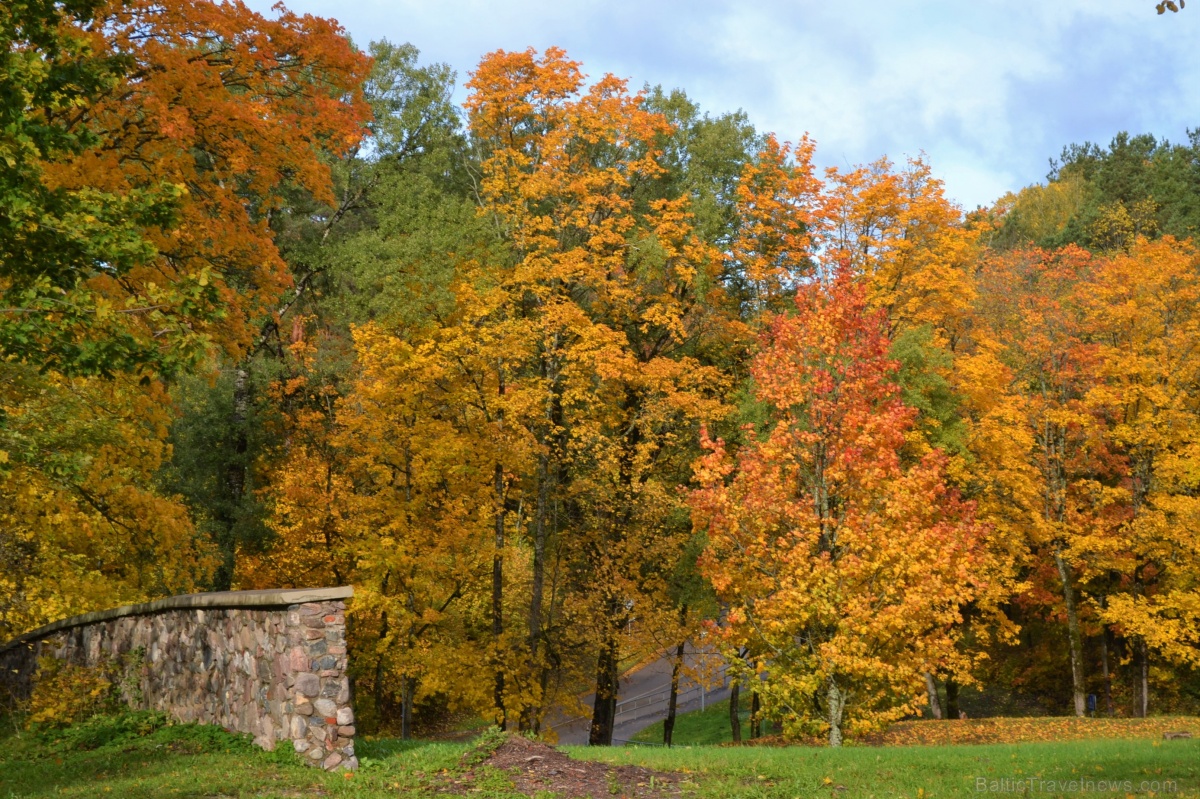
[{"x": 536, "y": 767}]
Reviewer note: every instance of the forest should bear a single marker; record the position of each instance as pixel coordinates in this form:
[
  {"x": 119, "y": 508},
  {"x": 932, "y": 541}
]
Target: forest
[{"x": 578, "y": 373}]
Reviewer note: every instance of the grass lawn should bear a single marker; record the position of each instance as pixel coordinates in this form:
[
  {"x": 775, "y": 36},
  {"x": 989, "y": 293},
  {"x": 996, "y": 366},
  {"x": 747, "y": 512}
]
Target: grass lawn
[
  {"x": 135, "y": 758},
  {"x": 1140, "y": 768}
]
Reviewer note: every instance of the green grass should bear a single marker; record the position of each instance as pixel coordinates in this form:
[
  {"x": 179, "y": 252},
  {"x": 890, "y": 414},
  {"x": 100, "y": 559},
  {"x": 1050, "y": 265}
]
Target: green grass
[
  {"x": 923, "y": 772},
  {"x": 138, "y": 757},
  {"x": 699, "y": 727}
]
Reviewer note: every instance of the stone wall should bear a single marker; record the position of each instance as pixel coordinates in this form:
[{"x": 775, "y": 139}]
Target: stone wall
[{"x": 268, "y": 663}]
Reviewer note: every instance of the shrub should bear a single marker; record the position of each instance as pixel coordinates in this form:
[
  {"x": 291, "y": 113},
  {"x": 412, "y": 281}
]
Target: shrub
[{"x": 65, "y": 693}]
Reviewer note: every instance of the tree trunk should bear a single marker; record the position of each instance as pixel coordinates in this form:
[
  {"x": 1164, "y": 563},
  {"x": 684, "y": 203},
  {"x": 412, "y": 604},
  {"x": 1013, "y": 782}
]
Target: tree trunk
[
  {"x": 755, "y": 721},
  {"x": 952, "y": 710},
  {"x": 235, "y": 478},
  {"x": 498, "y": 594},
  {"x": 735, "y": 711},
  {"x": 935, "y": 706},
  {"x": 1108, "y": 699},
  {"x": 1073, "y": 633},
  {"x": 552, "y": 416},
  {"x": 836, "y": 701},
  {"x": 673, "y": 697},
  {"x": 604, "y": 709},
  {"x": 541, "y": 529},
  {"x": 377, "y": 688},
  {"x": 1144, "y": 669},
  {"x": 407, "y": 692}
]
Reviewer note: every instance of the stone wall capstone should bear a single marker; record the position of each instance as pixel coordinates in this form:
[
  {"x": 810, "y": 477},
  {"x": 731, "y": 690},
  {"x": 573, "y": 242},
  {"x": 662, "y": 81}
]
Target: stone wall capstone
[{"x": 271, "y": 664}]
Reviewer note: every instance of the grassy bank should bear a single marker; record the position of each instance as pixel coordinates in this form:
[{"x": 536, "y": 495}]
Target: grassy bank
[
  {"x": 697, "y": 728},
  {"x": 137, "y": 757}
]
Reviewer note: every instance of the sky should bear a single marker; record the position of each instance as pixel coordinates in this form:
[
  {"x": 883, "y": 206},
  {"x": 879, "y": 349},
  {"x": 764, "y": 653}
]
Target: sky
[{"x": 987, "y": 90}]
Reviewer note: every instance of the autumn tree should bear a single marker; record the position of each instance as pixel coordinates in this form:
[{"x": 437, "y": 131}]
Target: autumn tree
[
  {"x": 608, "y": 296},
  {"x": 556, "y": 363},
  {"x": 54, "y": 70},
  {"x": 1142, "y": 311},
  {"x": 146, "y": 158},
  {"x": 845, "y": 570},
  {"x": 382, "y": 488},
  {"x": 899, "y": 232},
  {"x": 164, "y": 167},
  {"x": 1035, "y": 304},
  {"x": 84, "y": 524},
  {"x": 780, "y": 219}
]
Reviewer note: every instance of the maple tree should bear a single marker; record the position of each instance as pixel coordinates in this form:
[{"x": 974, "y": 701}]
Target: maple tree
[
  {"x": 780, "y": 219},
  {"x": 1065, "y": 380},
  {"x": 548, "y": 390},
  {"x": 1051, "y": 358},
  {"x": 1142, "y": 309},
  {"x": 844, "y": 570},
  {"x": 146, "y": 147},
  {"x": 144, "y": 193},
  {"x": 1077, "y": 390},
  {"x": 899, "y": 232},
  {"x": 605, "y": 297},
  {"x": 384, "y": 491},
  {"x": 83, "y": 524}
]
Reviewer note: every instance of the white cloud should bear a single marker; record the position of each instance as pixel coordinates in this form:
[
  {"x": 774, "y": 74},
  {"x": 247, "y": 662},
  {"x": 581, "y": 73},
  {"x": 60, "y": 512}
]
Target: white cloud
[{"x": 989, "y": 89}]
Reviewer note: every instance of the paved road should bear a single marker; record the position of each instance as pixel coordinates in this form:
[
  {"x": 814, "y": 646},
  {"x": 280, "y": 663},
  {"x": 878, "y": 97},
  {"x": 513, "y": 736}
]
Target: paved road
[{"x": 643, "y": 696}]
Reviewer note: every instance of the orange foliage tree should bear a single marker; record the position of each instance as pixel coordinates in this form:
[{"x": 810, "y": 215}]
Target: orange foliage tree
[
  {"x": 83, "y": 522},
  {"x": 845, "y": 570},
  {"x": 210, "y": 113},
  {"x": 1061, "y": 481},
  {"x": 781, "y": 218},
  {"x": 532, "y": 436}
]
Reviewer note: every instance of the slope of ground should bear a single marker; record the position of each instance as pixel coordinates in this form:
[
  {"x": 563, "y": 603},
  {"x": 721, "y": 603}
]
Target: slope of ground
[{"x": 698, "y": 727}]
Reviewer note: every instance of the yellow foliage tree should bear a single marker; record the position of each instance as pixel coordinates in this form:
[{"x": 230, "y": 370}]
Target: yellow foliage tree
[
  {"x": 1143, "y": 308},
  {"x": 82, "y": 523}
]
